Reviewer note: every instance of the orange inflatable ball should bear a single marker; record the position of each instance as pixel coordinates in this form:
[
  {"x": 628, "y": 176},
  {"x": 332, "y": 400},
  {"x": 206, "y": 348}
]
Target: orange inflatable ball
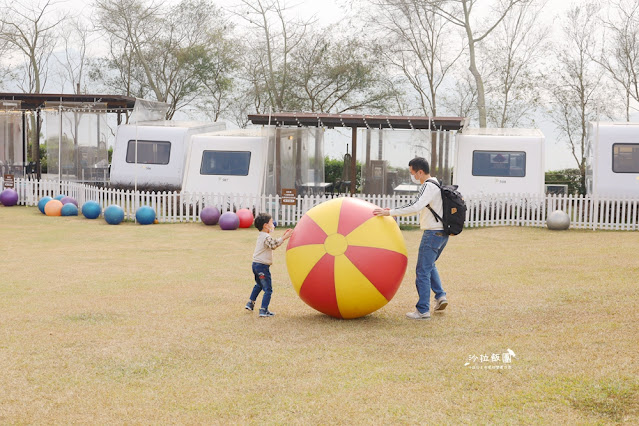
[
  {"x": 246, "y": 218},
  {"x": 53, "y": 208},
  {"x": 344, "y": 261}
]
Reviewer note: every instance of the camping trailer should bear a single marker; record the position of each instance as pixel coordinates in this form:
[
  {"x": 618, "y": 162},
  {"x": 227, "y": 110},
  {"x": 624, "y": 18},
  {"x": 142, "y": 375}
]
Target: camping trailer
[
  {"x": 226, "y": 162},
  {"x": 152, "y": 155},
  {"x": 612, "y": 159},
  {"x": 490, "y": 161}
]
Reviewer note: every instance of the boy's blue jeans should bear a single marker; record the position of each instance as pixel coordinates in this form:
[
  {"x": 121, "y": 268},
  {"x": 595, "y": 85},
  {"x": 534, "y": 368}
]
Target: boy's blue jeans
[
  {"x": 262, "y": 283},
  {"x": 427, "y": 277}
]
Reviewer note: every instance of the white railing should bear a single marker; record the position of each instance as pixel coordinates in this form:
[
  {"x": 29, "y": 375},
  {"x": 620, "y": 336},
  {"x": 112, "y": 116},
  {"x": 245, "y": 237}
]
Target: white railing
[{"x": 585, "y": 212}]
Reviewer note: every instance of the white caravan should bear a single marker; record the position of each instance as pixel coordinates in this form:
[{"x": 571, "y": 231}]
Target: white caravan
[
  {"x": 491, "y": 161},
  {"x": 152, "y": 154},
  {"x": 612, "y": 159},
  {"x": 227, "y": 162}
]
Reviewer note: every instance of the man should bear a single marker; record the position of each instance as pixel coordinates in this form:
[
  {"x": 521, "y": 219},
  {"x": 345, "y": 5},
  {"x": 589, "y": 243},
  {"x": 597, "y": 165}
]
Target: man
[{"x": 433, "y": 240}]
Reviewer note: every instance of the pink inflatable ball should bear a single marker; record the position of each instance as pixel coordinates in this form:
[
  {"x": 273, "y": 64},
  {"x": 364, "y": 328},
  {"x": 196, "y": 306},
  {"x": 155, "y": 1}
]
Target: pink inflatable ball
[
  {"x": 67, "y": 200},
  {"x": 9, "y": 197},
  {"x": 210, "y": 215},
  {"x": 229, "y": 221},
  {"x": 246, "y": 218}
]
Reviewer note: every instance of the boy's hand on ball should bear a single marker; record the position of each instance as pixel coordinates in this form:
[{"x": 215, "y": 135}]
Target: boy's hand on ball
[{"x": 381, "y": 212}]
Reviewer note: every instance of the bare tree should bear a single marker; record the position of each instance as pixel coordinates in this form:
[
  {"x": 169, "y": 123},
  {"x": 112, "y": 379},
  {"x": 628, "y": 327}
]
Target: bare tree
[
  {"x": 75, "y": 37},
  {"x": 171, "y": 46},
  {"x": 132, "y": 24},
  {"x": 326, "y": 80},
  {"x": 619, "y": 54},
  {"x": 461, "y": 100},
  {"x": 513, "y": 59},
  {"x": 460, "y": 13},
  {"x": 29, "y": 29},
  {"x": 578, "y": 91},
  {"x": 417, "y": 41},
  {"x": 275, "y": 38},
  {"x": 118, "y": 72}
]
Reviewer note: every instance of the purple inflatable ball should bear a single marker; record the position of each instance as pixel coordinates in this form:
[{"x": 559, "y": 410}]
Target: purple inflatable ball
[
  {"x": 229, "y": 221},
  {"x": 9, "y": 197},
  {"x": 67, "y": 200},
  {"x": 210, "y": 215}
]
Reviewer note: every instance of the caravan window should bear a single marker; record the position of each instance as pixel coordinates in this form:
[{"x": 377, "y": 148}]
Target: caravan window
[
  {"x": 229, "y": 163},
  {"x": 625, "y": 158},
  {"x": 149, "y": 152},
  {"x": 499, "y": 163}
]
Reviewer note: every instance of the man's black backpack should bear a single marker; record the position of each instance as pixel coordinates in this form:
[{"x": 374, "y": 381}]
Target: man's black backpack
[{"x": 454, "y": 208}]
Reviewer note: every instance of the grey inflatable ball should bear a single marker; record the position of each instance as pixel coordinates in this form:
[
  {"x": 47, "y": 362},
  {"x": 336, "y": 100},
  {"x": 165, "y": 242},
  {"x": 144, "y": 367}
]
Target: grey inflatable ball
[{"x": 558, "y": 220}]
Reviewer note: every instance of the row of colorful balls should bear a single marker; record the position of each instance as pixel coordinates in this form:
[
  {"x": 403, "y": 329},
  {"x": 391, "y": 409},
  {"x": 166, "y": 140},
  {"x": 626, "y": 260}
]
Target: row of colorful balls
[
  {"x": 62, "y": 205},
  {"x": 113, "y": 214},
  {"x": 242, "y": 218}
]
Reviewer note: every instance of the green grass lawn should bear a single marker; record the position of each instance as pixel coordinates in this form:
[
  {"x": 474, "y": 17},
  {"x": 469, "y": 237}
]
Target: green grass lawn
[{"x": 146, "y": 324}]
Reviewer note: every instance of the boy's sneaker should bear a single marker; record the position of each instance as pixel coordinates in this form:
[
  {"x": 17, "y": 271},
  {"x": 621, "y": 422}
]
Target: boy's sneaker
[
  {"x": 250, "y": 305},
  {"x": 418, "y": 315},
  {"x": 266, "y": 313},
  {"x": 441, "y": 304}
]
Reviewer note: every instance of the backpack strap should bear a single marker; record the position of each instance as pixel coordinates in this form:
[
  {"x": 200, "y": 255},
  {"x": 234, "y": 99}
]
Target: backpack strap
[{"x": 437, "y": 217}]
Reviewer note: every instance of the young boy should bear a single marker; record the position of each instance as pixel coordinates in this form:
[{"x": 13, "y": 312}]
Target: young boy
[{"x": 262, "y": 260}]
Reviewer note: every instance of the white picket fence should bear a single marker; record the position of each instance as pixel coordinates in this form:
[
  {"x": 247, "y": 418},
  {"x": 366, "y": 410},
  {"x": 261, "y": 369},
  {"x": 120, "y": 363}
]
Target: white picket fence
[{"x": 586, "y": 212}]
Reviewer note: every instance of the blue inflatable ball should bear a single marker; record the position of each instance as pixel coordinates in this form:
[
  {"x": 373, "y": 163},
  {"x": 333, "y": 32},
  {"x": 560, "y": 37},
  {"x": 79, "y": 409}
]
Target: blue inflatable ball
[
  {"x": 69, "y": 209},
  {"x": 91, "y": 210},
  {"x": 43, "y": 202},
  {"x": 113, "y": 214},
  {"x": 59, "y": 197},
  {"x": 145, "y": 215}
]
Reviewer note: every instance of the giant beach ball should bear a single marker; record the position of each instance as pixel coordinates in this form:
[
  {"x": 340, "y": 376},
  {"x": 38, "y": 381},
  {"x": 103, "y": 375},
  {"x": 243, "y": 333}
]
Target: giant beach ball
[
  {"x": 345, "y": 262},
  {"x": 9, "y": 197}
]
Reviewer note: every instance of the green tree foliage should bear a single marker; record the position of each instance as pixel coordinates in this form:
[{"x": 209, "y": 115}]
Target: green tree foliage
[
  {"x": 570, "y": 177},
  {"x": 334, "y": 170}
]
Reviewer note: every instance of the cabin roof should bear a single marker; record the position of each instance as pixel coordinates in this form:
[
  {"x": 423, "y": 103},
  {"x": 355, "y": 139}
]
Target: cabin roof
[{"x": 305, "y": 119}]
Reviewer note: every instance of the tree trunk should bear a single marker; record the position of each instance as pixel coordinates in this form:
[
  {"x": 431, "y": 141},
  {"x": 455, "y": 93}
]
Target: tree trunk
[{"x": 479, "y": 82}]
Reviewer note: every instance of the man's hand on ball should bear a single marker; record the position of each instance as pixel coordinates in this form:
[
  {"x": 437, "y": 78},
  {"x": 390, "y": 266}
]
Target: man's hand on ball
[{"x": 381, "y": 212}]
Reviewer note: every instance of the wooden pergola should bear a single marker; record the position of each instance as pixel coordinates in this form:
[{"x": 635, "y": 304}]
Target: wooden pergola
[
  {"x": 355, "y": 121},
  {"x": 37, "y": 102}
]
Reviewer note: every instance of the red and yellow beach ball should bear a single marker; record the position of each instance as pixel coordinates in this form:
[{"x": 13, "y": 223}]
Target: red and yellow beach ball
[{"x": 344, "y": 261}]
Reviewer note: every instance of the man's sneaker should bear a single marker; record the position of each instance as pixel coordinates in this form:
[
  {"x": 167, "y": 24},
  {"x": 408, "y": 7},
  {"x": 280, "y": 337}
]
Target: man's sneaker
[
  {"x": 441, "y": 304},
  {"x": 249, "y": 305},
  {"x": 418, "y": 315},
  {"x": 266, "y": 313}
]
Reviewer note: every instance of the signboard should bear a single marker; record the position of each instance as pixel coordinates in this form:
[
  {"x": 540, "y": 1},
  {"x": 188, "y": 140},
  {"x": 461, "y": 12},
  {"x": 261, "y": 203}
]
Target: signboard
[
  {"x": 8, "y": 181},
  {"x": 289, "y": 197}
]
